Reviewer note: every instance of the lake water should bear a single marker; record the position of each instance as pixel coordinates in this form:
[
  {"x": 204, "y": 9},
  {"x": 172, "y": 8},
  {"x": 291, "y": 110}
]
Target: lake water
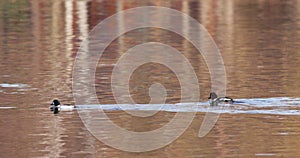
[{"x": 259, "y": 42}]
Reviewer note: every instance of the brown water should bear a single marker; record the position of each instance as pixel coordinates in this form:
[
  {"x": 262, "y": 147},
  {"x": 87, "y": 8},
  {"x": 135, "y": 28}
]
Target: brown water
[{"x": 259, "y": 42}]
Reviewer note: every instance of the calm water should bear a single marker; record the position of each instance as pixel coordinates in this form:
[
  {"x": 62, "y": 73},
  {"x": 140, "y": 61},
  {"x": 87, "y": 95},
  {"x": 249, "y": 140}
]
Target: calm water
[{"x": 259, "y": 42}]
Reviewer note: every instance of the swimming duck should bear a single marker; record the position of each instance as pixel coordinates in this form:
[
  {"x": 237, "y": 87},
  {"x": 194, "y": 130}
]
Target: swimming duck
[
  {"x": 56, "y": 107},
  {"x": 214, "y": 99}
]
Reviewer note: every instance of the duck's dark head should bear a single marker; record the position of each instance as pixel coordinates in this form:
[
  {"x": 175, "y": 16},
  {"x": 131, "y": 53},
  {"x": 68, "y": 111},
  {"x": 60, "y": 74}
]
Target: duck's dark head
[
  {"x": 55, "y": 102},
  {"x": 212, "y": 95}
]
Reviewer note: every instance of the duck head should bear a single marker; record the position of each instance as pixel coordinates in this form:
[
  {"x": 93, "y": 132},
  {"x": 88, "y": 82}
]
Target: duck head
[
  {"x": 212, "y": 96},
  {"x": 55, "y": 102}
]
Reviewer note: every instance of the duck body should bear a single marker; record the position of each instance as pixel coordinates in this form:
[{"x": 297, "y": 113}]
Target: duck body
[
  {"x": 56, "y": 107},
  {"x": 214, "y": 100}
]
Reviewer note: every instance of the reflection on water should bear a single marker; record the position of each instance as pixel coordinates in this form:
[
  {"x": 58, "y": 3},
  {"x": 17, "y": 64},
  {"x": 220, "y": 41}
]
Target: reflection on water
[{"x": 259, "y": 42}]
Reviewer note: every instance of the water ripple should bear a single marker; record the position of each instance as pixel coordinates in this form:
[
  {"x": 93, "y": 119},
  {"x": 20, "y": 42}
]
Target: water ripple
[{"x": 277, "y": 106}]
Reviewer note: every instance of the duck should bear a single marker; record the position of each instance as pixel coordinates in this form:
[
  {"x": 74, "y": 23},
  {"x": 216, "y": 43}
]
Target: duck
[
  {"x": 56, "y": 107},
  {"x": 214, "y": 99}
]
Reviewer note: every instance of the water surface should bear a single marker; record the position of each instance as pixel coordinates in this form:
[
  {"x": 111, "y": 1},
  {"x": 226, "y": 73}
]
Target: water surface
[{"x": 258, "y": 40}]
